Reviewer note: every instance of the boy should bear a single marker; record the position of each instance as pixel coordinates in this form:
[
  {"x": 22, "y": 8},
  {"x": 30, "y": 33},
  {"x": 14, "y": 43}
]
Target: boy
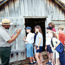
[
  {"x": 29, "y": 46},
  {"x": 61, "y": 34}
]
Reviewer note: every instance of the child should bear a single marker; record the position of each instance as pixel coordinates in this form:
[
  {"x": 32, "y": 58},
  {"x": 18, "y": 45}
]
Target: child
[
  {"x": 57, "y": 54},
  {"x": 29, "y": 46},
  {"x": 61, "y": 34},
  {"x": 47, "y": 47},
  {"x": 55, "y": 42},
  {"x": 34, "y": 47},
  {"x": 39, "y": 44},
  {"x": 53, "y": 26}
]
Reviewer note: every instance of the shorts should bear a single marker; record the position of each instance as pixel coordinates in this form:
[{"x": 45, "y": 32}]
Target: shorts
[
  {"x": 29, "y": 50},
  {"x": 55, "y": 54},
  {"x": 49, "y": 49},
  {"x": 40, "y": 49}
]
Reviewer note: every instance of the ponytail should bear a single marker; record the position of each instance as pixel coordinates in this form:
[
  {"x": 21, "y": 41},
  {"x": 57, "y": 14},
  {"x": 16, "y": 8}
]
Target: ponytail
[{"x": 55, "y": 35}]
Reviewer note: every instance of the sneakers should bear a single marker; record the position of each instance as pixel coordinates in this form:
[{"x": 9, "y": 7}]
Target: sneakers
[
  {"x": 49, "y": 63},
  {"x": 34, "y": 62},
  {"x": 30, "y": 63},
  {"x": 43, "y": 60}
]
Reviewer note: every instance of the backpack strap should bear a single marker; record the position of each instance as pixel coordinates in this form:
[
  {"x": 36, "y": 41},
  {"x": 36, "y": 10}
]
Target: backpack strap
[{"x": 52, "y": 42}]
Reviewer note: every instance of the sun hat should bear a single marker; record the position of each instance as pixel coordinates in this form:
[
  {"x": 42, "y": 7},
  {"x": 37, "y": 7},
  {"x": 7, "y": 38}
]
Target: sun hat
[
  {"x": 6, "y": 22},
  {"x": 28, "y": 28}
]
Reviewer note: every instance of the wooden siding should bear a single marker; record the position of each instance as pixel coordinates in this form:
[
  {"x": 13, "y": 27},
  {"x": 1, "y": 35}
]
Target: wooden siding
[
  {"x": 59, "y": 22},
  {"x": 15, "y": 8}
]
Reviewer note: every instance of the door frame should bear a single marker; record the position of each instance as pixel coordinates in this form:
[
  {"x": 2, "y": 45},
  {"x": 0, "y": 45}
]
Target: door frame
[{"x": 39, "y": 17}]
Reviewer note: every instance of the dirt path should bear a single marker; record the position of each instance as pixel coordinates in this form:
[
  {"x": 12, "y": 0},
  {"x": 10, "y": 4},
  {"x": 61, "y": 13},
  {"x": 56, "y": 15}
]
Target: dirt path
[{"x": 25, "y": 62}]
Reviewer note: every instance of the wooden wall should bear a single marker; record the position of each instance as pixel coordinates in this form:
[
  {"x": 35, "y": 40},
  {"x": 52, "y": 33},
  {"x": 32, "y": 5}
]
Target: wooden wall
[{"x": 15, "y": 8}]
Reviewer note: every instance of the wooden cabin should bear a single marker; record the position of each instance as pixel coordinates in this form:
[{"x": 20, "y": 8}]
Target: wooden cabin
[{"x": 30, "y": 13}]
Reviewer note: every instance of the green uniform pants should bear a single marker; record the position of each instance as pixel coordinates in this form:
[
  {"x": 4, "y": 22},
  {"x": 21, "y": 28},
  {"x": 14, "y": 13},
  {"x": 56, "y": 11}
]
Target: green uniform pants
[{"x": 5, "y": 55}]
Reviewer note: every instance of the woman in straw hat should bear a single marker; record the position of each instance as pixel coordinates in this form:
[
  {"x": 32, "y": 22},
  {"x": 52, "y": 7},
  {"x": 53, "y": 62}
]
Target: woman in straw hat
[{"x": 6, "y": 40}]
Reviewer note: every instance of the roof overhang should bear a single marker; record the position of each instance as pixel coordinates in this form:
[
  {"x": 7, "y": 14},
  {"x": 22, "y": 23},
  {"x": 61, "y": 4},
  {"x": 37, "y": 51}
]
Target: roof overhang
[
  {"x": 63, "y": 1},
  {"x": 2, "y": 2},
  {"x": 60, "y": 4}
]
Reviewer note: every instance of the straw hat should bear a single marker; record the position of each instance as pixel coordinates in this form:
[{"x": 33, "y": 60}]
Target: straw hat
[{"x": 6, "y": 22}]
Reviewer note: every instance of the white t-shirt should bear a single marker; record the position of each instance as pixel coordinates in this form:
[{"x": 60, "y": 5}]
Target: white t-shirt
[
  {"x": 39, "y": 35},
  {"x": 4, "y": 37},
  {"x": 30, "y": 38},
  {"x": 48, "y": 40},
  {"x": 54, "y": 40}
]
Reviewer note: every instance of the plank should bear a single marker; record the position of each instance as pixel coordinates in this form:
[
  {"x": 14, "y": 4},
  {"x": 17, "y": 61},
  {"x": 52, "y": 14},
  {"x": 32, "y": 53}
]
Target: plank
[
  {"x": 17, "y": 7},
  {"x": 32, "y": 8},
  {"x": 22, "y": 7},
  {"x": 29, "y": 8},
  {"x": 6, "y": 10},
  {"x": 26, "y": 7},
  {"x": 43, "y": 7},
  {"x": 39, "y": 8},
  {"x": 11, "y": 8}
]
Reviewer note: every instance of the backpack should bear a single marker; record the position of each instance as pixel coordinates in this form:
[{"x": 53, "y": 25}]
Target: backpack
[{"x": 59, "y": 48}]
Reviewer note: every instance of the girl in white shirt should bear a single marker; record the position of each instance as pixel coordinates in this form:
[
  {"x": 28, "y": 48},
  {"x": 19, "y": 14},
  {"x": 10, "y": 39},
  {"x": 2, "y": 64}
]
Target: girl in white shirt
[
  {"x": 39, "y": 44},
  {"x": 56, "y": 42}
]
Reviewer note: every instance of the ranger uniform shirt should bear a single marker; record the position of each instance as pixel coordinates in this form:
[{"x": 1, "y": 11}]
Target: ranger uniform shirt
[{"x": 4, "y": 37}]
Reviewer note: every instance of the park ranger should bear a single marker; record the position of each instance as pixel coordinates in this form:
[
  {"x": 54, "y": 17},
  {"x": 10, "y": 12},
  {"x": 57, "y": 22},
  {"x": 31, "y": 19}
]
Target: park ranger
[{"x": 6, "y": 40}]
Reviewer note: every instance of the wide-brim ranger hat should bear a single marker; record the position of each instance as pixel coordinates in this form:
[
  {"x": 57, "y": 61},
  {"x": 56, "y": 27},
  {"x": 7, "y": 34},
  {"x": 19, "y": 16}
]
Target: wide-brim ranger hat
[
  {"x": 28, "y": 28},
  {"x": 6, "y": 22}
]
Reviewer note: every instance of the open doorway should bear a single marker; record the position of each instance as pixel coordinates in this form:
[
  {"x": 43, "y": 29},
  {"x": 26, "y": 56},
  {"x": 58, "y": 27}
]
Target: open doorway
[{"x": 32, "y": 22}]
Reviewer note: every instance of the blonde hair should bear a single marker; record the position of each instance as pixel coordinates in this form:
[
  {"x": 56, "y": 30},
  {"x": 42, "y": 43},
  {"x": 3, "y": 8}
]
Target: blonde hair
[
  {"x": 54, "y": 34},
  {"x": 61, "y": 27}
]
